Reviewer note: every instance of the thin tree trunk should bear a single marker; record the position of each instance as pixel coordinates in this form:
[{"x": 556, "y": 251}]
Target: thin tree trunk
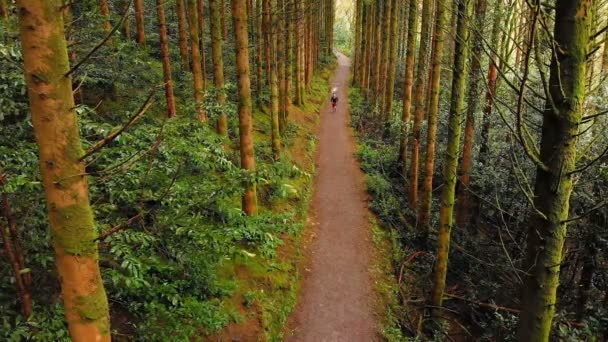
[
  {"x": 462, "y": 210},
  {"x": 223, "y": 18},
  {"x": 14, "y": 251},
  {"x": 394, "y": 37},
  {"x": 419, "y": 100},
  {"x": 385, "y": 53},
  {"x": 218, "y": 64},
  {"x": 554, "y": 177},
  {"x": 271, "y": 44},
  {"x": 241, "y": 42},
  {"x": 408, "y": 82},
  {"x": 56, "y": 130},
  {"x": 104, "y": 9},
  {"x": 377, "y": 54},
  {"x": 139, "y": 22},
  {"x": 457, "y": 108},
  {"x": 358, "y": 27},
  {"x": 200, "y": 8},
  {"x": 433, "y": 113},
  {"x": 182, "y": 34},
  {"x": 197, "y": 73},
  {"x": 164, "y": 49},
  {"x": 259, "y": 48}
]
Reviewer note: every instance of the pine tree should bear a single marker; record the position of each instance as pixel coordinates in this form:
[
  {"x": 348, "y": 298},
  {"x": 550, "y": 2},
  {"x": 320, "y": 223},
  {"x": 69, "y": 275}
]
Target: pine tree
[
  {"x": 556, "y": 167},
  {"x": 63, "y": 174},
  {"x": 241, "y": 42}
]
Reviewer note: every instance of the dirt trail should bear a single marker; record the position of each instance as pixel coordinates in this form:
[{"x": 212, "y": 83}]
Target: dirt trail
[{"x": 336, "y": 299}]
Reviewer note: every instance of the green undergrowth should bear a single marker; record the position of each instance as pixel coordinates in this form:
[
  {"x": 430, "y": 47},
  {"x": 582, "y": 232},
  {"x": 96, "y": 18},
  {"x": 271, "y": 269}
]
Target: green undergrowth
[
  {"x": 265, "y": 287},
  {"x": 193, "y": 265},
  {"x": 387, "y": 255}
]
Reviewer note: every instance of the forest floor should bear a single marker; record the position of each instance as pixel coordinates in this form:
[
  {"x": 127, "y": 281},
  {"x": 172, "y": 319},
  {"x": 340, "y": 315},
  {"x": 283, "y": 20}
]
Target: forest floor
[{"x": 337, "y": 298}]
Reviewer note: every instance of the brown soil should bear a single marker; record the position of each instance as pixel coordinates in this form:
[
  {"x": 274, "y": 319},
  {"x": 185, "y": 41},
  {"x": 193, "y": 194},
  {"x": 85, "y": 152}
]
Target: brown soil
[{"x": 336, "y": 301}]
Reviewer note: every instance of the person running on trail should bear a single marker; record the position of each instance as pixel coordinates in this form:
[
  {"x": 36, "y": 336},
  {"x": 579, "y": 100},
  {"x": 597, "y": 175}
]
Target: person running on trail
[{"x": 334, "y": 100}]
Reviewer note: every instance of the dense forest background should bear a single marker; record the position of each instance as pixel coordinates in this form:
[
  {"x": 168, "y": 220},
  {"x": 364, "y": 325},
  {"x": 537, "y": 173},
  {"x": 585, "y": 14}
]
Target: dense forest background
[
  {"x": 483, "y": 132},
  {"x": 156, "y": 163},
  {"x": 193, "y": 185}
]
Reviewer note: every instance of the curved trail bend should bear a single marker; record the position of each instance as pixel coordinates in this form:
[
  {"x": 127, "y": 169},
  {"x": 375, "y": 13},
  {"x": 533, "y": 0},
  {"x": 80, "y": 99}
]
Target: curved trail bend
[{"x": 335, "y": 303}]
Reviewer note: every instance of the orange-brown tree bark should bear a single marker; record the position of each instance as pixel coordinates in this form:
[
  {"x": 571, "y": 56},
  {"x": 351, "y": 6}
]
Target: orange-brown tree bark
[
  {"x": 197, "y": 73},
  {"x": 182, "y": 34},
  {"x": 241, "y": 41},
  {"x": 139, "y": 22},
  {"x": 218, "y": 64},
  {"x": 56, "y": 130},
  {"x": 164, "y": 50}
]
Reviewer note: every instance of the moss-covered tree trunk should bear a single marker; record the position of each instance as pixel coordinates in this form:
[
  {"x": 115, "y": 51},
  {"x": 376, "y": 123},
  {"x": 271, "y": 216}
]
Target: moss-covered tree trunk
[
  {"x": 392, "y": 58},
  {"x": 197, "y": 72},
  {"x": 377, "y": 59},
  {"x": 271, "y": 44},
  {"x": 218, "y": 63},
  {"x": 241, "y": 42},
  {"x": 280, "y": 62},
  {"x": 419, "y": 100},
  {"x": 182, "y": 34},
  {"x": 450, "y": 166},
  {"x": 164, "y": 49},
  {"x": 385, "y": 57},
  {"x": 259, "y": 46},
  {"x": 364, "y": 46},
  {"x": 139, "y": 22},
  {"x": 554, "y": 181},
  {"x": 200, "y": 9},
  {"x": 426, "y": 195},
  {"x": 357, "y": 48},
  {"x": 71, "y": 219},
  {"x": 475, "y": 79},
  {"x": 408, "y": 82},
  {"x": 288, "y": 27}
]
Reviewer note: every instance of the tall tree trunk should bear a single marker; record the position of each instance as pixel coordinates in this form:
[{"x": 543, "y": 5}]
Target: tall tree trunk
[
  {"x": 223, "y": 18},
  {"x": 357, "y": 48},
  {"x": 4, "y": 9},
  {"x": 55, "y": 125},
  {"x": 281, "y": 64},
  {"x": 200, "y": 9},
  {"x": 104, "y": 9},
  {"x": 164, "y": 49},
  {"x": 376, "y": 70},
  {"x": 288, "y": 62},
  {"x": 259, "y": 48},
  {"x": 271, "y": 44},
  {"x": 241, "y": 42},
  {"x": 433, "y": 112},
  {"x": 408, "y": 82},
  {"x": 218, "y": 64},
  {"x": 464, "y": 175},
  {"x": 554, "y": 177},
  {"x": 392, "y": 61},
  {"x": 13, "y": 249},
  {"x": 182, "y": 34},
  {"x": 125, "y": 6},
  {"x": 385, "y": 53},
  {"x": 197, "y": 72},
  {"x": 419, "y": 100},
  {"x": 457, "y": 108},
  {"x": 139, "y": 22},
  {"x": 364, "y": 45}
]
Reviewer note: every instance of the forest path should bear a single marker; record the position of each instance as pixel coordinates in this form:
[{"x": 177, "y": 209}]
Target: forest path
[{"x": 335, "y": 303}]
